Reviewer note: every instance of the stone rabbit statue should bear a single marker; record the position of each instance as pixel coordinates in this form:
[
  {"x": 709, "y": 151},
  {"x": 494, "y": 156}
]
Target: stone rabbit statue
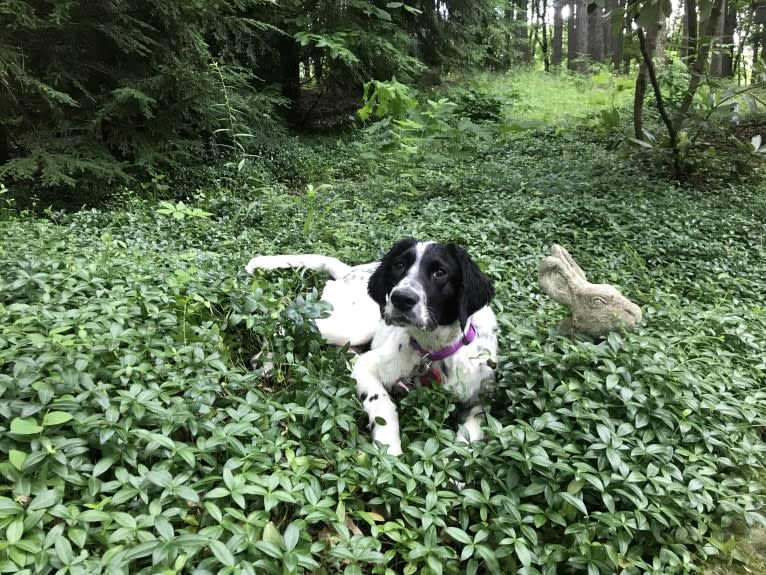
[{"x": 597, "y": 309}]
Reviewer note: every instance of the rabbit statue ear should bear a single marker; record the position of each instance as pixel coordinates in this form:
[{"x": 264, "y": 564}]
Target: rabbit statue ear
[
  {"x": 555, "y": 281},
  {"x": 567, "y": 260}
]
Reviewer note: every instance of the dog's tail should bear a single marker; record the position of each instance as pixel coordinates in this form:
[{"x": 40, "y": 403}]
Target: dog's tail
[{"x": 333, "y": 266}]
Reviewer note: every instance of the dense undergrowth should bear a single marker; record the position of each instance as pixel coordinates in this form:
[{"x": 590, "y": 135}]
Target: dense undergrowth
[{"x": 136, "y": 438}]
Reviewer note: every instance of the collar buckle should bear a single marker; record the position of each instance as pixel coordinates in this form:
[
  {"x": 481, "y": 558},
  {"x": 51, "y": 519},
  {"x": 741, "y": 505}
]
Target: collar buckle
[{"x": 444, "y": 353}]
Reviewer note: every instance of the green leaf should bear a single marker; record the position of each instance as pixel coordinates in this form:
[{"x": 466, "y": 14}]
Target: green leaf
[
  {"x": 458, "y": 535},
  {"x": 25, "y": 426},
  {"x": 15, "y": 530},
  {"x": 95, "y": 516},
  {"x": 56, "y": 418},
  {"x": 291, "y": 536},
  {"x": 271, "y": 534},
  {"x": 490, "y": 559},
  {"x": 187, "y": 493},
  {"x": 9, "y": 508},
  {"x": 63, "y": 550},
  {"x": 435, "y": 564},
  {"x": 78, "y": 536},
  {"x": 222, "y": 553},
  {"x": 522, "y": 552},
  {"x": 102, "y": 466},
  {"x": 574, "y": 501},
  {"x": 16, "y": 458},
  {"x": 44, "y": 500}
]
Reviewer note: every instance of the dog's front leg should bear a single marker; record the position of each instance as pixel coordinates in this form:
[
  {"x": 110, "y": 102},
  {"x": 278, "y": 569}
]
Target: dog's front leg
[
  {"x": 471, "y": 426},
  {"x": 369, "y": 373}
]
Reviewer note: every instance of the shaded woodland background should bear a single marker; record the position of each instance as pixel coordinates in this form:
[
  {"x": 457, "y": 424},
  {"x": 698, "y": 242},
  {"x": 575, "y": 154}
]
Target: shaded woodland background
[{"x": 95, "y": 95}]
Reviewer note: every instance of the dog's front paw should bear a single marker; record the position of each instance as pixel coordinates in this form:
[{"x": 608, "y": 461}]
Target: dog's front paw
[
  {"x": 263, "y": 263},
  {"x": 388, "y": 437}
]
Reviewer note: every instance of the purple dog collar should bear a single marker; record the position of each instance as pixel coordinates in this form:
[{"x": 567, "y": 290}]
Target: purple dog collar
[{"x": 451, "y": 349}]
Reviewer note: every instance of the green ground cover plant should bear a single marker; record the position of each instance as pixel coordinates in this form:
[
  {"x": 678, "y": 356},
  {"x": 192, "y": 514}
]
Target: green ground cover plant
[{"x": 135, "y": 436}]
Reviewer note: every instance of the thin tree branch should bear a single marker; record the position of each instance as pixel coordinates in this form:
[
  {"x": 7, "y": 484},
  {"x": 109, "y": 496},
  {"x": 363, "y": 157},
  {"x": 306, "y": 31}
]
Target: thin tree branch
[{"x": 672, "y": 131}]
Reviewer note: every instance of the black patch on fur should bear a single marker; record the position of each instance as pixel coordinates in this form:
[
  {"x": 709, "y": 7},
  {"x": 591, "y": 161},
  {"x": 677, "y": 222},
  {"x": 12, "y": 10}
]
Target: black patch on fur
[
  {"x": 363, "y": 396},
  {"x": 454, "y": 286},
  {"x": 380, "y": 281},
  {"x": 374, "y": 397},
  {"x": 475, "y": 290}
]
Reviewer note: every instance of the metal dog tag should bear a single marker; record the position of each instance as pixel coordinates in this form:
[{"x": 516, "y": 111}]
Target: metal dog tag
[{"x": 422, "y": 368}]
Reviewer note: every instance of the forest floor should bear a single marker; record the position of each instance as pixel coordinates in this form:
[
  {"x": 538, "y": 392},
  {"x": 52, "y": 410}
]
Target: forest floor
[{"x": 136, "y": 437}]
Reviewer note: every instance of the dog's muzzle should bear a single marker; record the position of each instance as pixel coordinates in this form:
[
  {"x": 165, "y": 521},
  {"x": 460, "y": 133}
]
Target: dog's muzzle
[{"x": 406, "y": 308}]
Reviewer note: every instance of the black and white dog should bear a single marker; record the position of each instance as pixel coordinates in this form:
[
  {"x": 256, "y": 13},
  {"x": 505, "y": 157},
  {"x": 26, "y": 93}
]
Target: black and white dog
[{"x": 436, "y": 326}]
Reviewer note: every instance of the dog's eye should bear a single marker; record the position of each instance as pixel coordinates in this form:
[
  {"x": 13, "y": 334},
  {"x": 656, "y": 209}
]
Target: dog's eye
[
  {"x": 439, "y": 273},
  {"x": 399, "y": 266}
]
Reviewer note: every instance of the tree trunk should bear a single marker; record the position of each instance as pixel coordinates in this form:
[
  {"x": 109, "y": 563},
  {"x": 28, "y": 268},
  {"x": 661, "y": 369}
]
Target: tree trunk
[
  {"x": 691, "y": 32},
  {"x": 647, "y": 61},
  {"x": 651, "y": 41},
  {"x": 5, "y": 145},
  {"x": 317, "y": 65},
  {"x": 618, "y": 40},
  {"x": 738, "y": 66},
  {"x": 582, "y": 35},
  {"x": 509, "y": 48},
  {"x": 596, "y": 33},
  {"x": 729, "y": 26},
  {"x": 763, "y": 44},
  {"x": 700, "y": 62},
  {"x": 716, "y": 60},
  {"x": 572, "y": 36},
  {"x": 542, "y": 18},
  {"x": 426, "y": 34},
  {"x": 290, "y": 67},
  {"x": 521, "y": 19},
  {"x": 558, "y": 33},
  {"x": 609, "y": 5}
]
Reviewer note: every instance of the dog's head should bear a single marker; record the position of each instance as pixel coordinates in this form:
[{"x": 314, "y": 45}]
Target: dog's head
[{"x": 427, "y": 284}]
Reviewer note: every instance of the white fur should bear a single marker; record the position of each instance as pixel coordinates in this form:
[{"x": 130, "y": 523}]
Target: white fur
[
  {"x": 355, "y": 316},
  {"x": 393, "y": 358},
  {"x": 356, "y": 320}
]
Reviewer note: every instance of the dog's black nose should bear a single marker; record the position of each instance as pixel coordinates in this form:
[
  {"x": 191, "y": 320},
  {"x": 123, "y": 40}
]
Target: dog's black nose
[{"x": 404, "y": 299}]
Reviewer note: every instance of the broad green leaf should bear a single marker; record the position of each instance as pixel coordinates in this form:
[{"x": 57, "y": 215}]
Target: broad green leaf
[
  {"x": 490, "y": 559},
  {"x": 291, "y": 536},
  {"x": 102, "y": 466},
  {"x": 435, "y": 564},
  {"x": 25, "y": 426},
  {"x": 15, "y": 530},
  {"x": 78, "y": 536},
  {"x": 187, "y": 493},
  {"x": 94, "y": 516},
  {"x": 271, "y": 534},
  {"x": 56, "y": 418},
  {"x": 522, "y": 552},
  {"x": 458, "y": 535},
  {"x": 574, "y": 501},
  {"x": 16, "y": 458},
  {"x": 44, "y": 500},
  {"x": 222, "y": 553},
  {"x": 9, "y": 508}
]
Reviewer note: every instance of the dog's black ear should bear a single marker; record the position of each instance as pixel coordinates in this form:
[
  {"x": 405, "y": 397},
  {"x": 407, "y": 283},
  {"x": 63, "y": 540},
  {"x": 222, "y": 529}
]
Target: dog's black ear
[
  {"x": 475, "y": 290},
  {"x": 378, "y": 286}
]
